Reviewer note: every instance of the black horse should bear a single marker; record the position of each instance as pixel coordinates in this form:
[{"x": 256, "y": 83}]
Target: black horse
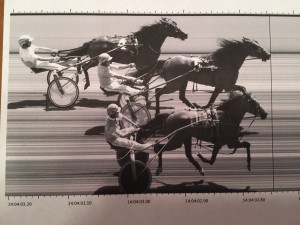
[
  {"x": 142, "y": 47},
  {"x": 219, "y": 70},
  {"x": 224, "y": 131}
]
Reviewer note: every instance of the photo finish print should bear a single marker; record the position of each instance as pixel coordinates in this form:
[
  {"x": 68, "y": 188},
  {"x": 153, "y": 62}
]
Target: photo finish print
[{"x": 103, "y": 104}]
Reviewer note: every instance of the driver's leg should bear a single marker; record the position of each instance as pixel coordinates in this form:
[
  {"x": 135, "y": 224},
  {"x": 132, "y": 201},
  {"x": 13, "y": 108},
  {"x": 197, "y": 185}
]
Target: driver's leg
[
  {"x": 49, "y": 66},
  {"x": 130, "y": 144},
  {"x": 122, "y": 89}
]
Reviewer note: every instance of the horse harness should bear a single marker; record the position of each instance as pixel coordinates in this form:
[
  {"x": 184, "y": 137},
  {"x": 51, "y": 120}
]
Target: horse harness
[{"x": 207, "y": 120}]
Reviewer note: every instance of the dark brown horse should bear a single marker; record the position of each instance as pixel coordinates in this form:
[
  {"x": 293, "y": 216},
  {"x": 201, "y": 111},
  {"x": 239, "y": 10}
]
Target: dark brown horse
[
  {"x": 219, "y": 70},
  {"x": 142, "y": 47},
  {"x": 224, "y": 131}
]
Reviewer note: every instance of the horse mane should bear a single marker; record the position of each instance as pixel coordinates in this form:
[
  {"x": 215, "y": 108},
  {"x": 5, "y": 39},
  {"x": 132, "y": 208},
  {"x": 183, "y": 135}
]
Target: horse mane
[
  {"x": 226, "y": 47},
  {"x": 232, "y": 96},
  {"x": 146, "y": 31}
]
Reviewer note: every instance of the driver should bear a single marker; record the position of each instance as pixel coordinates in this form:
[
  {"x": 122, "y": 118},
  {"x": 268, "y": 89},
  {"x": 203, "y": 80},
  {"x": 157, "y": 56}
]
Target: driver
[
  {"x": 106, "y": 76},
  {"x": 29, "y": 57},
  {"x": 118, "y": 137}
]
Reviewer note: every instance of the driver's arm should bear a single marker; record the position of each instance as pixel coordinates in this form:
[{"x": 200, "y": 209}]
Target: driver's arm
[
  {"x": 122, "y": 76},
  {"x": 121, "y": 66},
  {"x": 55, "y": 59},
  {"x": 126, "y": 132},
  {"x": 45, "y": 49}
]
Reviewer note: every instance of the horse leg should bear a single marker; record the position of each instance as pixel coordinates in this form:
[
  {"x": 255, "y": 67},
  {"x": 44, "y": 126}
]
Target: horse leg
[
  {"x": 213, "y": 156},
  {"x": 182, "y": 97},
  {"x": 79, "y": 66},
  {"x": 188, "y": 153},
  {"x": 174, "y": 143},
  {"x": 85, "y": 68},
  {"x": 246, "y": 145},
  {"x": 159, "y": 167},
  {"x": 213, "y": 97}
]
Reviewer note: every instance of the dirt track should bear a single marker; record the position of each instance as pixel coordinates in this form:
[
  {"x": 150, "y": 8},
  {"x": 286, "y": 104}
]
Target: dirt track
[{"x": 64, "y": 152}]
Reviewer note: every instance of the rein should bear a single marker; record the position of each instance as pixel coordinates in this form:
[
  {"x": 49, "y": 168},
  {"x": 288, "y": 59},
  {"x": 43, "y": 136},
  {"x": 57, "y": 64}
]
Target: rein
[
  {"x": 165, "y": 82},
  {"x": 251, "y": 58},
  {"x": 153, "y": 49}
]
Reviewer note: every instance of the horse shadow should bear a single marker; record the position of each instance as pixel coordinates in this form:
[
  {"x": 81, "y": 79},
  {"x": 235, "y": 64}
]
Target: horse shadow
[
  {"x": 184, "y": 187},
  {"x": 93, "y": 103},
  {"x": 99, "y": 130},
  {"x": 195, "y": 187},
  {"x": 26, "y": 104}
]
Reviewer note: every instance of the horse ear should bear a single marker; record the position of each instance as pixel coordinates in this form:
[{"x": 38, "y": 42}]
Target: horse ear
[{"x": 163, "y": 19}]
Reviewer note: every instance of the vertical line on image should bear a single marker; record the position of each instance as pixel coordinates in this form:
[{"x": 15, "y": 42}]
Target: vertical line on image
[{"x": 272, "y": 139}]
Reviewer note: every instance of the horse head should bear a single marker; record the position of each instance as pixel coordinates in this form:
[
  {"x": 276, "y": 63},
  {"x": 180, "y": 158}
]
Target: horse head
[
  {"x": 255, "y": 50},
  {"x": 172, "y": 30},
  {"x": 240, "y": 103},
  {"x": 253, "y": 106}
]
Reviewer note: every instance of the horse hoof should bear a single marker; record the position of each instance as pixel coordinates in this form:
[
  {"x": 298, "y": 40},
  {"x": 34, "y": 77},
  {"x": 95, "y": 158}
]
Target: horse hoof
[
  {"x": 202, "y": 172},
  {"x": 86, "y": 86},
  {"x": 249, "y": 168},
  {"x": 158, "y": 172}
]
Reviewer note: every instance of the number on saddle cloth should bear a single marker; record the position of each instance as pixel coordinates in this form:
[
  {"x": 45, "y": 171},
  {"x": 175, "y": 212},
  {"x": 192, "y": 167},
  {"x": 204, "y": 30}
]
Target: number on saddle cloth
[
  {"x": 208, "y": 120},
  {"x": 125, "y": 41},
  {"x": 203, "y": 62},
  {"x": 205, "y": 117}
]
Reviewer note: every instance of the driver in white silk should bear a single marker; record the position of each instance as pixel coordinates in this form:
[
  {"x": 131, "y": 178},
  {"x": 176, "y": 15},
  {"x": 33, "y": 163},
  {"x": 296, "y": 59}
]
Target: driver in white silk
[
  {"x": 117, "y": 136},
  {"x": 29, "y": 57},
  {"x": 107, "y": 76}
]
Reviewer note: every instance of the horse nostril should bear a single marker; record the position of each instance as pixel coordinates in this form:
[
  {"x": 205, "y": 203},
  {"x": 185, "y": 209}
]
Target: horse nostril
[{"x": 264, "y": 116}]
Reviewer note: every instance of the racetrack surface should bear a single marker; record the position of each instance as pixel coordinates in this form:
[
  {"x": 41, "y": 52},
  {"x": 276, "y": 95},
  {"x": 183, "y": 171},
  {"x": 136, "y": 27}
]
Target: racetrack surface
[{"x": 63, "y": 151}]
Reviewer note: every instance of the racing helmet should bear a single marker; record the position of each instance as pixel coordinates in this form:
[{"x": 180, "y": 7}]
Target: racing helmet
[
  {"x": 104, "y": 57},
  {"x": 24, "y": 39},
  {"x": 112, "y": 109}
]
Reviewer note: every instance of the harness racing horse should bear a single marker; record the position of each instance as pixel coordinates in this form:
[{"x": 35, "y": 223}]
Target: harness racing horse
[
  {"x": 224, "y": 131},
  {"x": 142, "y": 47},
  {"x": 219, "y": 70}
]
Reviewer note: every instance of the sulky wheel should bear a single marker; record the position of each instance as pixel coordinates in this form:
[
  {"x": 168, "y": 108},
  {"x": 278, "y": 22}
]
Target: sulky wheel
[
  {"x": 127, "y": 179},
  {"x": 66, "y": 74},
  {"x": 137, "y": 113},
  {"x": 63, "y": 92},
  {"x": 123, "y": 157}
]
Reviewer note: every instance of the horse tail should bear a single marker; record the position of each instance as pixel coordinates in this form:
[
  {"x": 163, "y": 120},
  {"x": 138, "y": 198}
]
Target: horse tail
[{"x": 80, "y": 51}]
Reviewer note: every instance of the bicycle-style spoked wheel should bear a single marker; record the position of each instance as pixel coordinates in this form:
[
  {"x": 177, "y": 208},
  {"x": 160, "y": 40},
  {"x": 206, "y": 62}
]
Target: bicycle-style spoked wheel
[
  {"x": 63, "y": 92},
  {"x": 74, "y": 76},
  {"x": 135, "y": 112}
]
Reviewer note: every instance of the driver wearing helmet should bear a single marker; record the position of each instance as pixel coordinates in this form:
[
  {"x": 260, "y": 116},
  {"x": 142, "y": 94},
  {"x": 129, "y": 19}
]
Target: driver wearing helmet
[
  {"x": 29, "y": 57},
  {"x": 118, "y": 137},
  {"x": 106, "y": 76}
]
